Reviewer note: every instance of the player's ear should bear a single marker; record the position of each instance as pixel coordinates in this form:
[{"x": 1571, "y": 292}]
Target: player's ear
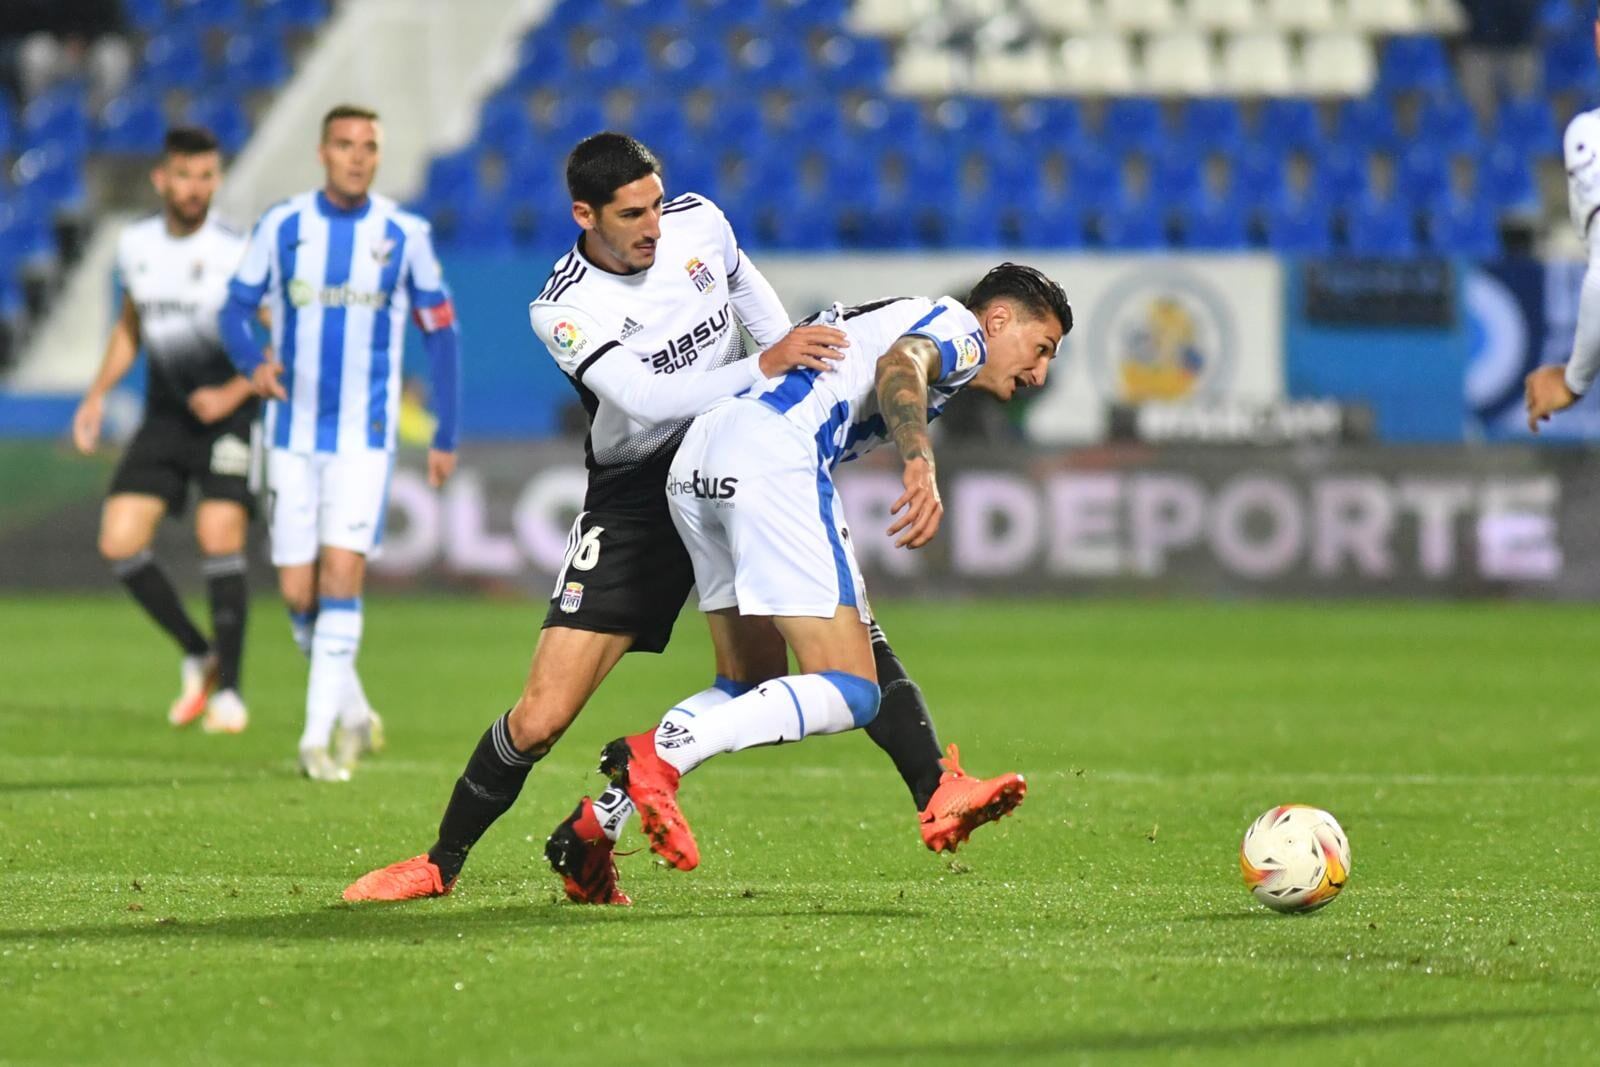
[
  {"x": 158, "y": 178},
  {"x": 583, "y": 214},
  {"x": 998, "y": 317}
]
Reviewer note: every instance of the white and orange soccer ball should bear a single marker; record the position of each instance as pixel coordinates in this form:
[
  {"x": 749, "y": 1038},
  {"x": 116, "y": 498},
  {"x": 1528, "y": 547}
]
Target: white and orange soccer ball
[{"x": 1295, "y": 858}]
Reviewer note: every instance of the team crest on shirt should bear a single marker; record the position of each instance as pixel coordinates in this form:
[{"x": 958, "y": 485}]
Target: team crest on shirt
[
  {"x": 382, "y": 251},
  {"x": 230, "y": 455},
  {"x": 568, "y": 337},
  {"x": 968, "y": 354},
  {"x": 572, "y": 597},
  {"x": 700, "y": 274}
]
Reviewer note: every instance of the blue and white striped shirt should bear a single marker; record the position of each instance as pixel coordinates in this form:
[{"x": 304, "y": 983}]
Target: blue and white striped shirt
[{"x": 338, "y": 284}]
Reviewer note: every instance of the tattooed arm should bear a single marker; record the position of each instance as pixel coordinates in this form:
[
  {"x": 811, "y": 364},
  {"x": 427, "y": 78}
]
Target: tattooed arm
[{"x": 903, "y": 374}]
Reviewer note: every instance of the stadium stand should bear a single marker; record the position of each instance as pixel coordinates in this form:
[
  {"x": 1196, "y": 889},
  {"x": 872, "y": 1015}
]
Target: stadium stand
[
  {"x": 906, "y": 123},
  {"x": 88, "y": 88}
]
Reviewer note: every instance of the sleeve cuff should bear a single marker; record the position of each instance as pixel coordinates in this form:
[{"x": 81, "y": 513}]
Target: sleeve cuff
[{"x": 1577, "y": 388}]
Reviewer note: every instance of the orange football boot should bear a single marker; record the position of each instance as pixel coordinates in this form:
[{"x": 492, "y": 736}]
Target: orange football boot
[
  {"x": 199, "y": 681},
  {"x": 652, "y": 784},
  {"x": 407, "y": 880},
  {"x": 962, "y": 803},
  {"x": 580, "y": 852}
]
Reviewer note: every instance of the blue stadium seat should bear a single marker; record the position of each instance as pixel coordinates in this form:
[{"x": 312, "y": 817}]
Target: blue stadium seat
[
  {"x": 58, "y": 120},
  {"x": 1383, "y": 228},
  {"x": 1423, "y": 174},
  {"x": 504, "y": 122},
  {"x": 807, "y": 224},
  {"x": 8, "y": 124},
  {"x": 1341, "y": 175},
  {"x": 1528, "y": 124},
  {"x": 1214, "y": 125},
  {"x": 1220, "y": 225},
  {"x": 933, "y": 177},
  {"x": 576, "y": 118},
  {"x": 812, "y": 120},
  {"x": 1464, "y": 228},
  {"x": 1258, "y": 175},
  {"x": 1569, "y": 64},
  {"x": 652, "y": 12},
  {"x": 1133, "y": 225},
  {"x": 146, "y": 16},
  {"x": 24, "y": 236},
  {"x": 1094, "y": 178},
  {"x": 1176, "y": 176},
  {"x": 1051, "y": 222},
  {"x": 1562, "y": 17},
  {"x": 290, "y": 14},
  {"x": 225, "y": 117},
  {"x": 1368, "y": 122},
  {"x": 974, "y": 222},
  {"x": 610, "y": 62},
  {"x": 1287, "y": 122},
  {"x": 1013, "y": 176},
  {"x": 737, "y": 122},
  {"x": 847, "y": 62},
  {"x": 1448, "y": 124},
  {"x": 1049, "y": 123},
  {"x": 852, "y": 179},
  {"x": 1506, "y": 180},
  {"x": 801, "y": 17},
  {"x": 543, "y": 58},
  {"x": 484, "y": 224},
  {"x": 254, "y": 61},
  {"x": 200, "y": 15},
  {"x": 49, "y": 179},
  {"x": 892, "y": 122},
  {"x": 172, "y": 61},
  {"x": 569, "y": 15},
  {"x": 659, "y": 121},
  {"x": 686, "y": 63},
  {"x": 970, "y": 123},
  {"x": 453, "y": 176},
  {"x": 132, "y": 124},
  {"x": 1413, "y": 63},
  {"x": 1299, "y": 229},
  {"x": 769, "y": 62},
  {"x": 536, "y": 173},
  {"x": 1133, "y": 124}
]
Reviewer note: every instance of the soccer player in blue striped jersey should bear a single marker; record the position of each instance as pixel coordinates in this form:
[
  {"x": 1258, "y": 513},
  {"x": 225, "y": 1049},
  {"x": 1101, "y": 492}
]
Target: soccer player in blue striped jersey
[{"x": 339, "y": 268}]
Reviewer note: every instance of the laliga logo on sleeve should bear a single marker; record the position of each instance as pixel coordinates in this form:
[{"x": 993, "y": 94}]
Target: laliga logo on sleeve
[
  {"x": 968, "y": 354},
  {"x": 568, "y": 337},
  {"x": 700, "y": 274}
]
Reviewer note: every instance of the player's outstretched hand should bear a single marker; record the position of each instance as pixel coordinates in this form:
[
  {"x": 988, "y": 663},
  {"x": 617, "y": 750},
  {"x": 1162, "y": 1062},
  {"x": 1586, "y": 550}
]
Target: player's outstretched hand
[
  {"x": 265, "y": 380},
  {"x": 86, "y": 424},
  {"x": 441, "y": 465},
  {"x": 804, "y": 346},
  {"x": 921, "y": 504},
  {"x": 1546, "y": 394},
  {"x": 211, "y": 403}
]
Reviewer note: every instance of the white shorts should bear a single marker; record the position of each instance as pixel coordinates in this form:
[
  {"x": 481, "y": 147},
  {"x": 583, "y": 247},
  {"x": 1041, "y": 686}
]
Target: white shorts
[
  {"x": 326, "y": 498},
  {"x": 758, "y": 512}
]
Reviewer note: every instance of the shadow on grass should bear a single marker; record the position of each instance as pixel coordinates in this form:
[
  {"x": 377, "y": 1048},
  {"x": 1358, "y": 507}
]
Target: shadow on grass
[
  {"x": 1178, "y": 1039},
  {"x": 419, "y": 922}
]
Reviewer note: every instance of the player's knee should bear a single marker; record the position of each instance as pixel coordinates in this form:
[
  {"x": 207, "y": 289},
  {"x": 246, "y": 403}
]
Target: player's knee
[
  {"x": 860, "y": 694},
  {"x": 118, "y": 545},
  {"x": 533, "y": 730}
]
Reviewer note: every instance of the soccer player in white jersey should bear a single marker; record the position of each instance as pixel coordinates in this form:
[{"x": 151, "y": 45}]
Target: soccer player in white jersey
[
  {"x": 1557, "y": 387},
  {"x": 340, "y": 269},
  {"x": 174, "y": 269},
  {"x": 751, "y": 492},
  {"x": 642, "y": 315}
]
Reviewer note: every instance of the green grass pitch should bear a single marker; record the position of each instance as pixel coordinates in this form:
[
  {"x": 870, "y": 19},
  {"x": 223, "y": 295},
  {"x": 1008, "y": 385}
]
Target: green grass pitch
[{"x": 171, "y": 897}]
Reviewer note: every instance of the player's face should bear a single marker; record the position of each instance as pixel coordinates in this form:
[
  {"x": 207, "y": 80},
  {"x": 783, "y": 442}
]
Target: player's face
[
  {"x": 349, "y": 155},
  {"x": 627, "y": 229},
  {"x": 186, "y": 185},
  {"x": 1020, "y": 349}
]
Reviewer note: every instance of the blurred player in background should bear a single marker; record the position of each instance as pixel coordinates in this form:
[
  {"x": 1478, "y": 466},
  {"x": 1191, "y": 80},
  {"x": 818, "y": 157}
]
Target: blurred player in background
[
  {"x": 643, "y": 317},
  {"x": 1558, "y": 387},
  {"x": 198, "y": 417},
  {"x": 340, "y": 268},
  {"x": 751, "y": 493}
]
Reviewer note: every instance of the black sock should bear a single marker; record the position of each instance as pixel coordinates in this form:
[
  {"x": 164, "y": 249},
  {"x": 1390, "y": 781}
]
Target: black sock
[
  {"x": 904, "y": 726},
  {"x": 225, "y": 582},
  {"x": 484, "y": 792},
  {"x": 150, "y": 587}
]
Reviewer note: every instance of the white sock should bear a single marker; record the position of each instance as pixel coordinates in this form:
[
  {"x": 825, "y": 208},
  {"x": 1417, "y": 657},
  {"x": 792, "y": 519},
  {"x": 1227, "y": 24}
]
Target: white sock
[
  {"x": 613, "y": 808},
  {"x": 355, "y": 711},
  {"x": 784, "y": 709},
  {"x": 334, "y": 643}
]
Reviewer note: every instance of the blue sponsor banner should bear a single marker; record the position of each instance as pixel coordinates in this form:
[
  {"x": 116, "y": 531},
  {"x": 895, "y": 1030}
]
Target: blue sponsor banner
[
  {"x": 1522, "y": 313},
  {"x": 1348, "y": 338}
]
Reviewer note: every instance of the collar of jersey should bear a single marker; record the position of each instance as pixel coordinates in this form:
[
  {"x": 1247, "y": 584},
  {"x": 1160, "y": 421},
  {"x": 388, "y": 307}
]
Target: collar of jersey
[{"x": 331, "y": 210}]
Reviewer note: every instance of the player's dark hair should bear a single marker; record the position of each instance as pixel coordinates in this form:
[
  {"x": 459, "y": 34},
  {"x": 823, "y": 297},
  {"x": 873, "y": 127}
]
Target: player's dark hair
[
  {"x": 188, "y": 141},
  {"x": 1037, "y": 294},
  {"x": 604, "y": 163},
  {"x": 346, "y": 111}
]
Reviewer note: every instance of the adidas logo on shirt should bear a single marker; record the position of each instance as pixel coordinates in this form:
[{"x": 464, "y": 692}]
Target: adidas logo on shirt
[{"x": 629, "y": 328}]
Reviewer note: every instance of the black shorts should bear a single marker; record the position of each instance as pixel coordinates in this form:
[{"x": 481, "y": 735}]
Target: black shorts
[
  {"x": 170, "y": 452},
  {"x": 625, "y": 572}
]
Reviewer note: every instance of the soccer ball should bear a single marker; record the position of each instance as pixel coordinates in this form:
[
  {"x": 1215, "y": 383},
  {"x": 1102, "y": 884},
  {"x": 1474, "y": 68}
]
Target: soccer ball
[{"x": 1295, "y": 858}]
